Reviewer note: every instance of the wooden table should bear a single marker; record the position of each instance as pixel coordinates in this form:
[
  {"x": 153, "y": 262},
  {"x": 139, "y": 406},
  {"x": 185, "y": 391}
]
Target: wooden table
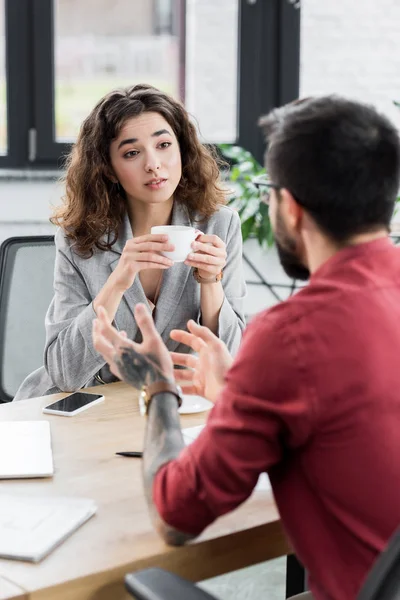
[{"x": 120, "y": 538}]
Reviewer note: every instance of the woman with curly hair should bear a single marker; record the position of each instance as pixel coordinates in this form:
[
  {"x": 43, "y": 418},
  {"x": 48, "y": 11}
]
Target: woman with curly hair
[{"x": 137, "y": 163}]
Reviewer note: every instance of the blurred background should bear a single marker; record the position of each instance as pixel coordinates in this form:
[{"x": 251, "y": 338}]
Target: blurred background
[{"x": 229, "y": 60}]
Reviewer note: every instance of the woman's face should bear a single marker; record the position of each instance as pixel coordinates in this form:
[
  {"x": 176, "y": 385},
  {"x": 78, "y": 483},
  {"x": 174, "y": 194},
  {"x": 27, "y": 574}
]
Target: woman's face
[{"x": 146, "y": 159}]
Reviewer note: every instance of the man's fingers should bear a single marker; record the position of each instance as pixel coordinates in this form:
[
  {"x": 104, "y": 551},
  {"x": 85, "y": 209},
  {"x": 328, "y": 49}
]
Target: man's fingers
[
  {"x": 114, "y": 370},
  {"x": 107, "y": 330},
  {"x": 184, "y": 360},
  {"x": 182, "y": 375},
  {"x": 204, "y": 334},
  {"x": 145, "y": 322},
  {"x": 184, "y": 337},
  {"x": 101, "y": 343}
]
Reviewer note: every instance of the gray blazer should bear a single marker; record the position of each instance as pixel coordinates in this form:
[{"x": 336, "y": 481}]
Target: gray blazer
[{"x": 70, "y": 360}]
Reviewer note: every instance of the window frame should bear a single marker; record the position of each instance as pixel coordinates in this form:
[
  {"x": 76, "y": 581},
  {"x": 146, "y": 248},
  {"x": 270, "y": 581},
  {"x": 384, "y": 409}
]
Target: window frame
[
  {"x": 269, "y": 65},
  {"x": 19, "y": 110},
  {"x": 268, "y": 62}
]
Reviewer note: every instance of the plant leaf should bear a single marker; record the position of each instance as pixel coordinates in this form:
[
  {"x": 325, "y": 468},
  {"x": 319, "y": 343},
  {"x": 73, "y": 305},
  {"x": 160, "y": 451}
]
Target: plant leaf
[
  {"x": 247, "y": 228},
  {"x": 245, "y": 198},
  {"x": 251, "y": 208}
]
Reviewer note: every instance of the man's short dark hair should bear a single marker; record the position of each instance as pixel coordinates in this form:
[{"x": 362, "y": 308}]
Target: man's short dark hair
[{"x": 339, "y": 158}]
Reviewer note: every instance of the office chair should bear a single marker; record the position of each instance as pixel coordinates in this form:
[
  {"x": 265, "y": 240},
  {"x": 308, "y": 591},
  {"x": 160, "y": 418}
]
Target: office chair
[
  {"x": 382, "y": 583},
  {"x": 26, "y": 289}
]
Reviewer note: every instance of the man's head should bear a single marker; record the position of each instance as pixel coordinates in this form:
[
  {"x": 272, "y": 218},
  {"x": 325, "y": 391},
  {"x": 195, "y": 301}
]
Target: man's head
[{"x": 334, "y": 163}]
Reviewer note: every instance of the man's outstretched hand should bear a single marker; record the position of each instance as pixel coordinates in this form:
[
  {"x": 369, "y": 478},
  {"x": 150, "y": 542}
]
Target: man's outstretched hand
[
  {"x": 205, "y": 372},
  {"x": 137, "y": 364}
]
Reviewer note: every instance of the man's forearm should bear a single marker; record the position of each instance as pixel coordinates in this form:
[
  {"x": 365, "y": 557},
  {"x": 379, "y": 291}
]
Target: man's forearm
[{"x": 163, "y": 443}]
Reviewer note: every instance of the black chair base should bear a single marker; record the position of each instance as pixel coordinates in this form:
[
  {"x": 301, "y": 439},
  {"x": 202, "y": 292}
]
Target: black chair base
[{"x": 157, "y": 584}]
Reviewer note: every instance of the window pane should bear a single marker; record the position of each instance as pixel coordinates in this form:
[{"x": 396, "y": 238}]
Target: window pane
[
  {"x": 3, "y": 98},
  {"x": 211, "y": 66},
  {"x": 104, "y": 44}
]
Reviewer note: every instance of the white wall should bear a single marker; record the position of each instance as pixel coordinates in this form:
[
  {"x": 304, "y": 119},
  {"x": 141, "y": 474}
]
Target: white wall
[
  {"x": 24, "y": 201},
  {"x": 352, "y": 47}
]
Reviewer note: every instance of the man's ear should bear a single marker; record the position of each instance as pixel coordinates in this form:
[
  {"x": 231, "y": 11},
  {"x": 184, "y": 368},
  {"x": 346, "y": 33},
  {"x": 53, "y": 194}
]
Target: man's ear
[{"x": 291, "y": 209}]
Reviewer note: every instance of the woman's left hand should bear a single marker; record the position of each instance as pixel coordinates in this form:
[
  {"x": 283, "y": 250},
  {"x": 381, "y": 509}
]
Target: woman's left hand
[{"x": 209, "y": 255}]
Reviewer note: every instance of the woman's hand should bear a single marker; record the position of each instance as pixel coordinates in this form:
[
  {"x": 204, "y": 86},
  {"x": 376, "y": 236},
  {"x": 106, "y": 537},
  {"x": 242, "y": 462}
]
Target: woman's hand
[
  {"x": 143, "y": 252},
  {"x": 209, "y": 256},
  {"x": 205, "y": 373}
]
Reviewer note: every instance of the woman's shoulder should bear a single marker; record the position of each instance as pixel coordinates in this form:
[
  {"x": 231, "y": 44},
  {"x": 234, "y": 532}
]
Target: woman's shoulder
[
  {"x": 223, "y": 219},
  {"x": 61, "y": 240},
  {"x": 66, "y": 245}
]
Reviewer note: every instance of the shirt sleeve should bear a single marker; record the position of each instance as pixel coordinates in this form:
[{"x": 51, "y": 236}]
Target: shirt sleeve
[
  {"x": 266, "y": 407},
  {"x": 70, "y": 357}
]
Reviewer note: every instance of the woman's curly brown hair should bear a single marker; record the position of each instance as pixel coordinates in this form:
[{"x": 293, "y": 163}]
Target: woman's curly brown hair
[{"x": 93, "y": 206}]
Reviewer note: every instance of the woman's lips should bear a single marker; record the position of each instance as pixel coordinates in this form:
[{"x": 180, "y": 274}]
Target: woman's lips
[{"x": 156, "y": 184}]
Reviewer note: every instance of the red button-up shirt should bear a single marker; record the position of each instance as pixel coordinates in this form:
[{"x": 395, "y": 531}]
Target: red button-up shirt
[{"x": 313, "y": 398}]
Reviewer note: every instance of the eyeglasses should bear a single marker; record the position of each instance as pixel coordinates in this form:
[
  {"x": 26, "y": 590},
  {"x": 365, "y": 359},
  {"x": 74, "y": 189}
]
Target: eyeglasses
[{"x": 264, "y": 186}]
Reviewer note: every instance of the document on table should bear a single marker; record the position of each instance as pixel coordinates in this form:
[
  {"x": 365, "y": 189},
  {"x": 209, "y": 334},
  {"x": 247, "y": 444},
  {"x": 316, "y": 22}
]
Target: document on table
[
  {"x": 32, "y": 526},
  {"x": 191, "y": 433},
  {"x": 25, "y": 449}
]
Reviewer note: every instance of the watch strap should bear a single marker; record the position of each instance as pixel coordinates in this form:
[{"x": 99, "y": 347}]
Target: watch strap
[
  {"x": 213, "y": 279},
  {"x": 159, "y": 387}
]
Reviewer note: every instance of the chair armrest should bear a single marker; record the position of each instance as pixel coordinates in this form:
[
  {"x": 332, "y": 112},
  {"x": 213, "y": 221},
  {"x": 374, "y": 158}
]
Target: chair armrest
[{"x": 157, "y": 584}]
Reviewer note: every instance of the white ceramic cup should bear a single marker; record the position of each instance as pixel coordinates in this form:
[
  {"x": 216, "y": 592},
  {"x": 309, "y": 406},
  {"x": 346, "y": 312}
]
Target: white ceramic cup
[{"x": 180, "y": 236}]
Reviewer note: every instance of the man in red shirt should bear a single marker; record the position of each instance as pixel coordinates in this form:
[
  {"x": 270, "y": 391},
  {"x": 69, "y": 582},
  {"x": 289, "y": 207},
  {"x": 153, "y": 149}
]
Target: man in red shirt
[{"x": 313, "y": 396}]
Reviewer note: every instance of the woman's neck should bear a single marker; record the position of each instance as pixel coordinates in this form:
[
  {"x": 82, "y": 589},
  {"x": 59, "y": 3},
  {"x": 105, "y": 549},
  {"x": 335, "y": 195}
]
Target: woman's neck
[{"x": 145, "y": 216}]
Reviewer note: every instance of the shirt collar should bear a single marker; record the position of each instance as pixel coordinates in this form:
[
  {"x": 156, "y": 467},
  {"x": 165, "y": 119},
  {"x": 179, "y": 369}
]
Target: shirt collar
[{"x": 349, "y": 253}]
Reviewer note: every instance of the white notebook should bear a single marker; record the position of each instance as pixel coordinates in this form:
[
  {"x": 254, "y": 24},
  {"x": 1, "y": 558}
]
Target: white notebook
[
  {"x": 191, "y": 433},
  {"x": 31, "y": 526},
  {"x": 25, "y": 449}
]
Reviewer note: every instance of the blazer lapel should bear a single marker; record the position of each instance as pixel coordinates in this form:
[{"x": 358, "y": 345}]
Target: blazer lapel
[
  {"x": 172, "y": 285},
  {"x": 174, "y": 279},
  {"x": 135, "y": 293}
]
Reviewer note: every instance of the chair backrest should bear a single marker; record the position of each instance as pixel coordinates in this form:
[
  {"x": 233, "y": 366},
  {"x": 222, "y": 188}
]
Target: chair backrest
[
  {"x": 26, "y": 289},
  {"x": 383, "y": 581}
]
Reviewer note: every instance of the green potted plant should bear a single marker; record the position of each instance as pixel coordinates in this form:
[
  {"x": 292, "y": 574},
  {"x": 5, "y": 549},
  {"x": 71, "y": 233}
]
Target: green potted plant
[{"x": 245, "y": 197}]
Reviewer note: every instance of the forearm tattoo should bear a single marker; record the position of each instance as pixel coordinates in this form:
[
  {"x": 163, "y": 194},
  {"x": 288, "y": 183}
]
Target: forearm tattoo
[
  {"x": 139, "y": 369},
  {"x": 163, "y": 443},
  {"x": 163, "y": 440}
]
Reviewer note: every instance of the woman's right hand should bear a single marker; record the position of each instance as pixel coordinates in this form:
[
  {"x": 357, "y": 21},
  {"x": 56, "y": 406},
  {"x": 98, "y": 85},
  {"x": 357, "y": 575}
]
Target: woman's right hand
[{"x": 143, "y": 252}]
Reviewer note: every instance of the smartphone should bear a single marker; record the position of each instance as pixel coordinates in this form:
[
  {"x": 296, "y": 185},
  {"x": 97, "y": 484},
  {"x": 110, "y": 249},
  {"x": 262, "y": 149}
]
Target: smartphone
[{"x": 73, "y": 404}]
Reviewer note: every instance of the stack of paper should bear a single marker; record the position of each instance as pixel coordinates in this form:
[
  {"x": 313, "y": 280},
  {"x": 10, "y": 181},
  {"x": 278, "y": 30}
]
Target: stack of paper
[
  {"x": 31, "y": 527},
  {"x": 25, "y": 449},
  {"x": 191, "y": 433}
]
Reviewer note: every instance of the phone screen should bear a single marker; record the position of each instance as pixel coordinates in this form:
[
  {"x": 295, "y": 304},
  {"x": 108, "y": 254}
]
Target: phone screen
[{"x": 73, "y": 402}]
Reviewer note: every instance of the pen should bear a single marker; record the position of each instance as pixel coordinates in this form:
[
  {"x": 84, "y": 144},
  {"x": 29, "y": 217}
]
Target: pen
[{"x": 132, "y": 454}]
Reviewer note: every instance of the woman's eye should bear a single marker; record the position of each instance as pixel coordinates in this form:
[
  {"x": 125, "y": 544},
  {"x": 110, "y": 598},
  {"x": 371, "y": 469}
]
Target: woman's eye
[
  {"x": 165, "y": 144},
  {"x": 131, "y": 154}
]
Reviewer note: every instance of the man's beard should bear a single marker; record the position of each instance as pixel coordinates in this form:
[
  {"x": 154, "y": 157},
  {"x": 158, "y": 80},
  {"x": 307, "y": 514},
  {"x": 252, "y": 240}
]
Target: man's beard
[{"x": 287, "y": 252}]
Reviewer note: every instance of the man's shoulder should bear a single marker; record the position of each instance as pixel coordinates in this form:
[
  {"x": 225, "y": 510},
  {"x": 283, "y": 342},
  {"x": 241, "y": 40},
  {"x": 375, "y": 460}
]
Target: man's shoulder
[
  {"x": 268, "y": 327},
  {"x": 281, "y": 315},
  {"x": 289, "y": 314}
]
